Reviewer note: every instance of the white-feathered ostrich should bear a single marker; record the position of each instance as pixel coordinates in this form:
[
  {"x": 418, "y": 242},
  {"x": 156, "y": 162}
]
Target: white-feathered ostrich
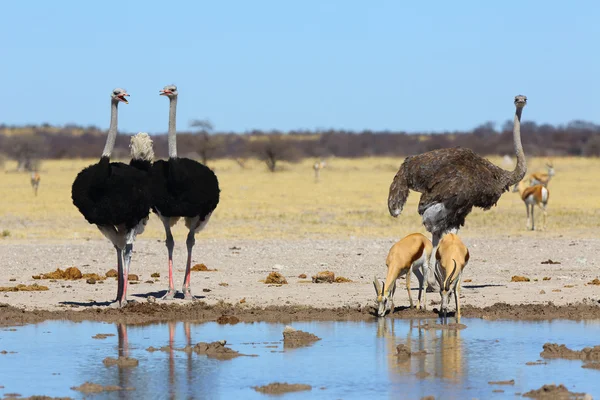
[
  {"x": 116, "y": 196},
  {"x": 453, "y": 181},
  {"x": 182, "y": 188}
]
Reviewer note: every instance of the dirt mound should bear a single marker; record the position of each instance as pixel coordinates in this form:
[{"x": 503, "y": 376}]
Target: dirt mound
[
  {"x": 402, "y": 351},
  {"x": 228, "y": 319},
  {"x": 152, "y": 349},
  {"x": 121, "y": 362},
  {"x": 555, "y": 350},
  {"x": 302, "y": 276},
  {"x": 276, "y": 278},
  {"x": 324, "y": 277},
  {"x": 112, "y": 273},
  {"x": 70, "y": 273},
  {"x": 89, "y": 387},
  {"x": 511, "y": 382},
  {"x": 554, "y": 392},
  {"x": 216, "y": 350},
  {"x": 518, "y": 278},
  {"x": 293, "y": 338},
  {"x": 281, "y": 388},
  {"x": 133, "y": 278},
  {"x": 549, "y": 261},
  {"x": 596, "y": 281},
  {"x": 23, "y": 288},
  {"x": 341, "y": 279},
  {"x": 155, "y": 275},
  {"x": 102, "y": 335},
  {"x": 201, "y": 268},
  {"x": 591, "y": 365}
]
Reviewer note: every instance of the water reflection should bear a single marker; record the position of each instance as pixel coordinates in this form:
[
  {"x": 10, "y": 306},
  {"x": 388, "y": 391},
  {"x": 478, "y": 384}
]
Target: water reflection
[
  {"x": 58, "y": 355},
  {"x": 444, "y": 350}
]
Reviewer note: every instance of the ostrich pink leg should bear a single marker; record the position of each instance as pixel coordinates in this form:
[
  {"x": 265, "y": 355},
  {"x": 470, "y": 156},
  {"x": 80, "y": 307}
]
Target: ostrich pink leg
[
  {"x": 191, "y": 240},
  {"x": 170, "y": 242},
  {"x": 127, "y": 262}
]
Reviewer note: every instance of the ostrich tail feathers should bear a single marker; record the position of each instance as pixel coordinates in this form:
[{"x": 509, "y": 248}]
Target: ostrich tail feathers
[
  {"x": 398, "y": 192},
  {"x": 141, "y": 147}
]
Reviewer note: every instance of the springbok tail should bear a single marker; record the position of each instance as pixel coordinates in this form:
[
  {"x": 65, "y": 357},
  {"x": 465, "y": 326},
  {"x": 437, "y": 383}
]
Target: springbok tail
[
  {"x": 398, "y": 192},
  {"x": 141, "y": 147}
]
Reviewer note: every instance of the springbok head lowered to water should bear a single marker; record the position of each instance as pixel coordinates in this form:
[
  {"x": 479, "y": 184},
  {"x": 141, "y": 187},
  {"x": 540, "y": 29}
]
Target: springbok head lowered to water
[{"x": 385, "y": 302}]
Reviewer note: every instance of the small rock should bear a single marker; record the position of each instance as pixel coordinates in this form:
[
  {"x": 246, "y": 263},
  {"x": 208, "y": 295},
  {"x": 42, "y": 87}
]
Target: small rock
[
  {"x": 302, "y": 276},
  {"x": 151, "y": 299},
  {"x": 324, "y": 276},
  {"x": 91, "y": 281},
  {"x": 155, "y": 275},
  {"x": 276, "y": 278}
]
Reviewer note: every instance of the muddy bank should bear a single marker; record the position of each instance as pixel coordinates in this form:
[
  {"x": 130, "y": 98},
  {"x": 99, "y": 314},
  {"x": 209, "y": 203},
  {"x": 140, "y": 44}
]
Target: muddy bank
[
  {"x": 554, "y": 392},
  {"x": 293, "y": 338},
  {"x": 199, "y": 311},
  {"x": 555, "y": 350}
]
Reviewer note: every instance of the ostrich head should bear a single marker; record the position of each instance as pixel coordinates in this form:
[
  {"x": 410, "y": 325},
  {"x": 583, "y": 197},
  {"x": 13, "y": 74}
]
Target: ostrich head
[
  {"x": 520, "y": 101},
  {"x": 119, "y": 95},
  {"x": 170, "y": 91}
]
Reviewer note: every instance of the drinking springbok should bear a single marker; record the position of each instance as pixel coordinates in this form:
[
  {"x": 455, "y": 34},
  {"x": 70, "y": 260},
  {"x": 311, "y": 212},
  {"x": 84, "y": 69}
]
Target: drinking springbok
[{"x": 451, "y": 258}]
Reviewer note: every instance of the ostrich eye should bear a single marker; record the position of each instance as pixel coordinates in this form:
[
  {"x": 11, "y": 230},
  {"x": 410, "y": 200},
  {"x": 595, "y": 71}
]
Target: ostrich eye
[{"x": 116, "y": 92}]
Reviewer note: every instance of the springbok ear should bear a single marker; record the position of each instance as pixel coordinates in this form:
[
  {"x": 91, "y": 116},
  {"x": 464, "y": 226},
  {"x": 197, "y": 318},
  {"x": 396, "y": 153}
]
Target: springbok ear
[{"x": 377, "y": 287}]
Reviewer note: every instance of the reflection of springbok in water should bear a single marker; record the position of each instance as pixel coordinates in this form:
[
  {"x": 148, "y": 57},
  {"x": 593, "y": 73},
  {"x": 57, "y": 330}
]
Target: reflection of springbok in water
[{"x": 35, "y": 182}]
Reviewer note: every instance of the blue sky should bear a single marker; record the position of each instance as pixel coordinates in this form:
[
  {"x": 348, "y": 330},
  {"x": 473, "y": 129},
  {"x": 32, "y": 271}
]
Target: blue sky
[{"x": 398, "y": 65}]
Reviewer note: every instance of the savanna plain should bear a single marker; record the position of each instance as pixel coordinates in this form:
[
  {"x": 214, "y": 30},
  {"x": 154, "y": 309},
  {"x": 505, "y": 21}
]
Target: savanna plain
[{"x": 293, "y": 224}]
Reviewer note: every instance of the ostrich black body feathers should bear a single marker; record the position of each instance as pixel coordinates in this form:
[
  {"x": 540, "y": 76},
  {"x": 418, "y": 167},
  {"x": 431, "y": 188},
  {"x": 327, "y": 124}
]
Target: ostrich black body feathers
[
  {"x": 183, "y": 188},
  {"x": 456, "y": 178},
  {"x": 112, "y": 193}
]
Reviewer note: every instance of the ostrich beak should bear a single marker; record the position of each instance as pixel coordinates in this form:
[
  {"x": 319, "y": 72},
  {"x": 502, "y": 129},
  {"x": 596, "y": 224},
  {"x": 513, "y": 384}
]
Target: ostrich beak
[
  {"x": 122, "y": 98},
  {"x": 165, "y": 92}
]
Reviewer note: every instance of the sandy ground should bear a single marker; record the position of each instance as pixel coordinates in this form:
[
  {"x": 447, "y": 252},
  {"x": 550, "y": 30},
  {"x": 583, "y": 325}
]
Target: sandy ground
[{"x": 242, "y": 264}]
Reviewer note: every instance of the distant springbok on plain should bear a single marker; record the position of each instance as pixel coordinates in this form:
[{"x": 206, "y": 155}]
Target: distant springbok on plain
[
  {"x": 318, "y": 166},
  {"x": 35, "y": 182},
  {"x": 451, "y": 257},
  {"x": 409, "y": 255},
  {"x": 532, "y": 196},
  {"x": 542, "y": 178}
]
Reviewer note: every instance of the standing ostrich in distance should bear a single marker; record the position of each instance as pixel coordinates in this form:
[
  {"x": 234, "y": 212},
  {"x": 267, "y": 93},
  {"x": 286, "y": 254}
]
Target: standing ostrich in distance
[
  {"x": 181, "y": 188},
  {"x": 453, "y": 181},
  {"x": 116, "y": 196}
]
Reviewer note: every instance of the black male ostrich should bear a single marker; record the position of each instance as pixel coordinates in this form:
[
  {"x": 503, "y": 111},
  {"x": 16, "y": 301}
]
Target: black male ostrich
[
  {"x": 182, "y": 188},
  {"x": 116, "y": 196},
  {"x": 453, "y": 181}
]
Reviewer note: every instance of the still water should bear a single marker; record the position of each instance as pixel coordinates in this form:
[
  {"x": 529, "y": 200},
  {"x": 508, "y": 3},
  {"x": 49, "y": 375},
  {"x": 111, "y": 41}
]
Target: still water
[{"x": 354, "y": 360}]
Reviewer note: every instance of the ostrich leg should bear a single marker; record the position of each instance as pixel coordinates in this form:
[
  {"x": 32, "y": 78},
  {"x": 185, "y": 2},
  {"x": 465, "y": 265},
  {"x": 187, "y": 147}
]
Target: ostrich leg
[
  {"x": 191, "y": 240},
  {"x": 119, "y": 275},
  {"x": 170, "y": 242},
  {"x": 430, "y": 283}
]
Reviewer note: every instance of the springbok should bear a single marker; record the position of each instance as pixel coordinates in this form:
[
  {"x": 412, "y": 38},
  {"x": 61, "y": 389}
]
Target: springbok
[
  {"x": 542, "y": 178},
  {"x": 451, "y": 257},
  {"x": 35, "y": 182},
  {"x": 318, "y": 166},
  {"x": 532, "y": 196},
  {"x": 410, "y": 254}
]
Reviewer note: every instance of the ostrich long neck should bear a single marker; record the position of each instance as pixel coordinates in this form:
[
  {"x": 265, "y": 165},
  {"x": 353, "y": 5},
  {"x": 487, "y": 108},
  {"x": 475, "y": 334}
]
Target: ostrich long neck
[
  {"x": 521, "y": 168},
  {"x": 172, "y": 127},
  {"x": 112, "y": 130}
]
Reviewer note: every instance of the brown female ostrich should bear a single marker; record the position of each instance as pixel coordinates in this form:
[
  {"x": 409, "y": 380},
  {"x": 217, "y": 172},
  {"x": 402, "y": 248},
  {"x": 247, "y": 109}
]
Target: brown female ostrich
[{"x": 453, "y": 181}]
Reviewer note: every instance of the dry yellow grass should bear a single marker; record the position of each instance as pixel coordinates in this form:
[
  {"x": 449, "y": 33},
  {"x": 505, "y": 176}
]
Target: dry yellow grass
[{"x": 350, "y": 200}]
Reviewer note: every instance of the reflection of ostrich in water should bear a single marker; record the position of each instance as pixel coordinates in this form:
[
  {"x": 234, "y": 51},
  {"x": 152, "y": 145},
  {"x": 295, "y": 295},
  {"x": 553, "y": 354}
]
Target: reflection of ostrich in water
[{"x": 454, "y": 180}]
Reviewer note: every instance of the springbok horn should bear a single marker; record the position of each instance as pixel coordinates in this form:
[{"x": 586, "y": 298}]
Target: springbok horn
[
  {"x": 377, "y": 287},
  {"x": 382, "y": 287},
  {"x": 449, "y": 280}
]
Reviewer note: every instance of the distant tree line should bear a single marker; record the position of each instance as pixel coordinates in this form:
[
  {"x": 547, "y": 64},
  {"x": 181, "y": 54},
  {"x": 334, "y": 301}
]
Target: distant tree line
[{"x": 30, "y": 143}]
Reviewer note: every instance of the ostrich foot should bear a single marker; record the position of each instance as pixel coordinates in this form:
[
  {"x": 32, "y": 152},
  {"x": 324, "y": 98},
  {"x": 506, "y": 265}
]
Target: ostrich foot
[
  {"x": 187, "y": 294},
  {"x": 121, "y": 304},
  {"x": 170, "y": 295}
]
